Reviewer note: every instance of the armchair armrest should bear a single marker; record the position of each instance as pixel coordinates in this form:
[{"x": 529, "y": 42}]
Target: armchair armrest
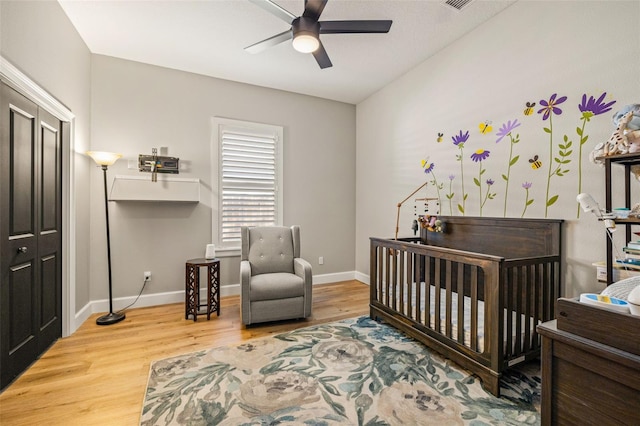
[
  {"x": 245, "y": 280},
  {"x": 245, "y": 274},
  {"x": 302, "y": 268}
]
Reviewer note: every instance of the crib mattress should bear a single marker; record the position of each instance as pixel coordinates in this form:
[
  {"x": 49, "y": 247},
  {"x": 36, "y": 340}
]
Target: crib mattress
[{"x": 411, "y": 306}]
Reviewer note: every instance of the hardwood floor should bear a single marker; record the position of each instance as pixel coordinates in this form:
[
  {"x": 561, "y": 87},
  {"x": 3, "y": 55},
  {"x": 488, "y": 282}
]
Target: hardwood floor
[{"x": 99, "y": 374}]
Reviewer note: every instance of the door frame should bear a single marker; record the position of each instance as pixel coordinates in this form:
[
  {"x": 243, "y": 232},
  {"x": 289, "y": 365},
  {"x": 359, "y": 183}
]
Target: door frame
[{"x": 33, "y": 91}]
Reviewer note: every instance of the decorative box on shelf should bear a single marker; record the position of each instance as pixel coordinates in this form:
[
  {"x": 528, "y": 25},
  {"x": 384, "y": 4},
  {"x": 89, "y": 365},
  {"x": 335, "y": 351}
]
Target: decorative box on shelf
[
  {"x": 620, "y": 271},
  {"x": 141, "y": 188}
]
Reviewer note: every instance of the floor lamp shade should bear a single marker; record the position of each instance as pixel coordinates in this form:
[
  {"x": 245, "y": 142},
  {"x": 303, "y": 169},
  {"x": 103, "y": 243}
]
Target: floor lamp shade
[{"x": 106, "y": 159}]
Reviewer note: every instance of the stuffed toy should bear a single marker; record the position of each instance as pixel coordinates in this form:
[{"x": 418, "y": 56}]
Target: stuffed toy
[
  {"x": 624, "y": 139},
  {"x": 634, "y": 123}
]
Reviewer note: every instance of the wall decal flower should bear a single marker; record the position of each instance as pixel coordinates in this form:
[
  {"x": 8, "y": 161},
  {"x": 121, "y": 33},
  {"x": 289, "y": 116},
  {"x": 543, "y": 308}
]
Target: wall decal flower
[
  {"x": 459, "y": 140},
  {"x": 548, "y": 110},
  {"x": 550, "y": 106},
  {"x": 479, "y": 156},
  {"x": 450, "y": 194},
  {"x": 428, "y": 168},
  {"x": 506, "y": 130},
  {"x": 589, "y": 107},
  {"x": 527, "y": 201}
]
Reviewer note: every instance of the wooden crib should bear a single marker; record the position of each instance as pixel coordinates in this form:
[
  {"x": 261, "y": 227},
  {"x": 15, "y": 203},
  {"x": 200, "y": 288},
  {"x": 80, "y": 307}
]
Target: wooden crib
[{"x": 474, "y": 292}]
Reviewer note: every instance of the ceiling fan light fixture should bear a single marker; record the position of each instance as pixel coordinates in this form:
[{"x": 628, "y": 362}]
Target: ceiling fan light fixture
[
  {"x": 306, "y": 34},
  {"x": 305, "y": 43}
]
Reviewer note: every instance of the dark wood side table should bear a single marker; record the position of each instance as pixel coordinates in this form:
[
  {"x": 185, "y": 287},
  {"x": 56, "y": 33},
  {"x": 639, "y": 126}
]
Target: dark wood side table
[{"x": 192, "y": 287}]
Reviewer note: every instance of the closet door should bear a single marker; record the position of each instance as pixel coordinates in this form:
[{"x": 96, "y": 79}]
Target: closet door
[{"x": 30, "y": 237}]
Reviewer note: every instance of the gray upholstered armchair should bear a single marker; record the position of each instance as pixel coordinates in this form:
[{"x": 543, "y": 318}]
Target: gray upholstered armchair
[{"x": 275, "y": 283}]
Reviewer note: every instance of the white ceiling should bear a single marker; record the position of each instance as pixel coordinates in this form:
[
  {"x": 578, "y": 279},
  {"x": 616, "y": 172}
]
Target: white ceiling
[{"x": 209, "y": 37}]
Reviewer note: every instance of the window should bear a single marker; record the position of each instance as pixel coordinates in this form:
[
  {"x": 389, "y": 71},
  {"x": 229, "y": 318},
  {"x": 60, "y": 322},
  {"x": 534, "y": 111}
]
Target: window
[{"x": 249, "y": 176}]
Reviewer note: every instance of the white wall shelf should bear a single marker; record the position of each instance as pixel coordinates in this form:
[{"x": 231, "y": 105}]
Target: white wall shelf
[{"x": 167, "y": 188}]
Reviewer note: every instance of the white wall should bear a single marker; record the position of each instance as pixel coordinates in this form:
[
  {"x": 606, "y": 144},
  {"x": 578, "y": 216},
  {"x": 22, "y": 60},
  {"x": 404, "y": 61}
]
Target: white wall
[
  {"x": 38, "y": 39},
  {"x": 530, "y": 51},
  {"x": 137, "y": 107}
]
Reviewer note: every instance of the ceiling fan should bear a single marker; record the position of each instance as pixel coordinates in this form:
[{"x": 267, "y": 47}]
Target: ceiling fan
[{"x": 306, "y": 29}]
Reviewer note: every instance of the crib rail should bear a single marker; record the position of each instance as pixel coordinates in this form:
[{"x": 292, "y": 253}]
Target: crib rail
[{"x": 435, "y": 291}]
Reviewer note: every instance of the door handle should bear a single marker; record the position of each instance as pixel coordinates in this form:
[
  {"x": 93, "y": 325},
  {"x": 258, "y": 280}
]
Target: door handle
[{"x": 22, "y": 249}]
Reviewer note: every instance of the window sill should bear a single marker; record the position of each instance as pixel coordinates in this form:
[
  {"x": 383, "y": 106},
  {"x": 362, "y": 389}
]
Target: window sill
[{"x": 227, "y": 251}]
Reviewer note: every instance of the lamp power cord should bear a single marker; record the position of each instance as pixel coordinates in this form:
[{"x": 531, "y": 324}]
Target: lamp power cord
[{"x": 144, "y": 284}]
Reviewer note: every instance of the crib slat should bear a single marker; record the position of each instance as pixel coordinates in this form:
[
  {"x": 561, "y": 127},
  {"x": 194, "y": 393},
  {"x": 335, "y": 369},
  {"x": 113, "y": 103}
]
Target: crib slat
[
  {"x": 460, "y": 291},
  {"x": 538, "y": 302},
  {"x": 427, "y": 290},
  {"x": 436, "y": 282},
  {"x": 394, "y": 279},
  {"x": 474, "y": 308},
  {"x": 387, "y": 281},
  {"x": 517, "y": 344},
  {"x": 418, "y": 274},
  {"x": 527, "y": 308},
  {"x": 448, "y": 299},
  {"x": 407, "y": 301},
  {"x": 508, "y": 303},
  {"x": 381, "y": 252},
  {"x": 546, "y": 295}
]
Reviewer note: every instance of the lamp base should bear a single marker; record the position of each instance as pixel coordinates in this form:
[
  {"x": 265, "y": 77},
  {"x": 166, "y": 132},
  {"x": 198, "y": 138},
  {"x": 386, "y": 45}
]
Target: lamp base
[{"x": 110, "y": 318}]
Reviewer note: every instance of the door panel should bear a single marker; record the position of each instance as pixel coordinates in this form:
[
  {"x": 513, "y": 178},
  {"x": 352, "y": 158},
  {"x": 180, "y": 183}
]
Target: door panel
[
  {"x": 30, "y": 229},
  {"x": 48, "y": 289},
  {"x": 49, "y": 230},
  {"x": 49, "y": 183},
  {"x": 23, "y": 334},
  {"x": 22, "y": 151}
]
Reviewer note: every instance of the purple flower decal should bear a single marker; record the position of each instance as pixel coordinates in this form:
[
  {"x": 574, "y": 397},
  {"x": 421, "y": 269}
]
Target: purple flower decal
[
  {"x": 589, "y": 108},
  {"x": 452, "y": 177},
  {"x": 506, "y": 129},
  {"x": 480, "y": 155},
  {"x": 490, "y": 182},
  {"x": 595, "y": 106},
  {"x": 428, "y": 167},
  {"x": 460, "y": 138},
  {"x": 527, "y": 201},
  {"x": 550, "y": 106}
]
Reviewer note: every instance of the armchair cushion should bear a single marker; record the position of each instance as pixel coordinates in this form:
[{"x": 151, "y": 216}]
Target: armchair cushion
[
  {"x": 271, "y": 250},
  {"x": 276, "y": 286}
]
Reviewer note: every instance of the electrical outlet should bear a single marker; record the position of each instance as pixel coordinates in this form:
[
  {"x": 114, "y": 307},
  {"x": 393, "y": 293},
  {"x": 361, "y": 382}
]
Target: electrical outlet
[
  {"x": 147, "y": 275},
  {"x": 321, "y": 260}
]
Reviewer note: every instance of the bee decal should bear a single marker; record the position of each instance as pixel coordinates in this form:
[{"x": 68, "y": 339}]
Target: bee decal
[
  {"x": 440, "y": 135},
  {"x": 485, "y": 128},
  {"x": 535, "y": 163},
  {"x": 529, "y": 109}
]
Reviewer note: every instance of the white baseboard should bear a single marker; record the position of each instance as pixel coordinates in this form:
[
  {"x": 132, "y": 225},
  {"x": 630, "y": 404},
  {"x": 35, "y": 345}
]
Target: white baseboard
[
  {"x": 362, "y": 278},
  {"x": 155, "y": 299}
]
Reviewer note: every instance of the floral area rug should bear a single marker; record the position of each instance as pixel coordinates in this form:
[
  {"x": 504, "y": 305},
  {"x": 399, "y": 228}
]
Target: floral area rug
[{"x": 355, "y": 371}]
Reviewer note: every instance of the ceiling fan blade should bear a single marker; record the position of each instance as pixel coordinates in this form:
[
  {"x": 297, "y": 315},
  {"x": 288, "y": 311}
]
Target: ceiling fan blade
[
  {"x": 313, "y": 8},
  {"x": 269, "y": 42},
  {"x": 274, "y": 9},
  {"x": 322, "y": 58},
  {"x": 342, "y": 27}
]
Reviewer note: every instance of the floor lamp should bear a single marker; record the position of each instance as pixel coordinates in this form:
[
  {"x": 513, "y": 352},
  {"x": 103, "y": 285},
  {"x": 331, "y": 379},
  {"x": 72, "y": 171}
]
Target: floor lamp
[{"x": 106, "y": 159}]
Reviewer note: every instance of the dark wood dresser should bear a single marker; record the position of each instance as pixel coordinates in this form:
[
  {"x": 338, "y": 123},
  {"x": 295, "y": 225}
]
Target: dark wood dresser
[{"x": 590, "y": 367}]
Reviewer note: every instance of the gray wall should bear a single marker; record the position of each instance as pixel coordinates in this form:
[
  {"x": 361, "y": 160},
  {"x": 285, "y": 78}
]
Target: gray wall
[
  {"x": 137, "y": 107},
  {"x": 130, "y": 107},
  {"x": 38, "y": 38}
]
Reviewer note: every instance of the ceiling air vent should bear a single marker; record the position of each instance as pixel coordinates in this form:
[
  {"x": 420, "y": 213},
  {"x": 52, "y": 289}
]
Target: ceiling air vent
[{"x": 458, "y": 4}]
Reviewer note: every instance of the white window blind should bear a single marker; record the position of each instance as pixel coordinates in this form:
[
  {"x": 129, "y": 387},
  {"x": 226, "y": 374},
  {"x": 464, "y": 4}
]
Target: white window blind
[{"x": 249, "y": 177}]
